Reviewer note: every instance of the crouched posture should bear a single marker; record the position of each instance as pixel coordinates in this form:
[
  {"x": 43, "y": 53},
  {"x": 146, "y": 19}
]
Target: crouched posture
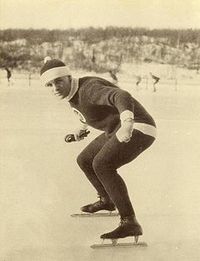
[{"x": 128, "y": 130}]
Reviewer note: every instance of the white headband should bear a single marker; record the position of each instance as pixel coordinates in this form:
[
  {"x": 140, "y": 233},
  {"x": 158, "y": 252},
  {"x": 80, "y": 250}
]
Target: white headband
[{"x": 54, "y": 73}]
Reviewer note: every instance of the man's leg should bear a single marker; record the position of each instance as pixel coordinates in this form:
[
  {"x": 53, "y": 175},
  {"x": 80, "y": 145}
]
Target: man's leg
[
  {"x": 85, "y": 160},
  {"x": 112, "y": 156}
]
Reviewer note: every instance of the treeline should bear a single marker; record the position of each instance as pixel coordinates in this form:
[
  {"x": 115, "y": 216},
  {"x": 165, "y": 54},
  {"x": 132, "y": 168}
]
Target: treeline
[
  {"x": 99, "y": 49},
  {"x": 94, "y": 35}
]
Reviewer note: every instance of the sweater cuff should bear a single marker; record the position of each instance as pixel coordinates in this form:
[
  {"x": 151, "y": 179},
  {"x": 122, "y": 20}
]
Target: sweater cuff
[
  {"x": 83, "y": 126},
  {"x": 126, "y": 115}
]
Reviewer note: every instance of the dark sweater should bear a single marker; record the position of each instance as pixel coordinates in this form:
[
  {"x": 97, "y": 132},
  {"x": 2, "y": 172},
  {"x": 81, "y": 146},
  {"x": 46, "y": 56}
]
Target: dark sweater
[{"x": 100, "y": 102}]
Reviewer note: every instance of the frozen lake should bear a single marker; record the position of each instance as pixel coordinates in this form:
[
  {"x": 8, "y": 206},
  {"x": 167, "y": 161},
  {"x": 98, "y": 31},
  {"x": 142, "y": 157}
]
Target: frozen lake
[{"x": 41, "y": 184}]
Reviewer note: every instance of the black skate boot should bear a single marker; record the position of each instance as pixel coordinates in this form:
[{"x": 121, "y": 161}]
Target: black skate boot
[
  {"x": 102, "y": 204},
  {"x": 128, "y": 226}
]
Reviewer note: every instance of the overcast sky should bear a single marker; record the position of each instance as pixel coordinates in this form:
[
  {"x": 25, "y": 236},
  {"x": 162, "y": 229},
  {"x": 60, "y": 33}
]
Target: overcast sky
[{"x": 64, "y": 14}]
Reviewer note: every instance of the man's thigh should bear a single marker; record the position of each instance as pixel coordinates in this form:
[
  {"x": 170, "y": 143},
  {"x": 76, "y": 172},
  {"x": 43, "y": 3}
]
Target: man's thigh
[
  {"x": 92, "y": 149},
  {"x": 116, "y": 154}
]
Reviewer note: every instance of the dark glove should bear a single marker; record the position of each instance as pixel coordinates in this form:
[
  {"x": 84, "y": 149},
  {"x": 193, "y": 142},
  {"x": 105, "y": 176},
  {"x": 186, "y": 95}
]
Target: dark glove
[{"x": 72, "y": 137}]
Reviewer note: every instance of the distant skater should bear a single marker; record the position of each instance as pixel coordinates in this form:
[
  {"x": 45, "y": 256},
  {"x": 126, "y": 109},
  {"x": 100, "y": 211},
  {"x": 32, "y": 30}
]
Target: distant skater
[
  {"x": 93, "y": 57},
  {"x": 138, "y": 81},
  {"x": 156, "y": 80},
  {"x": 8, "y": 74},
  {"x": 113, "y": 76}
]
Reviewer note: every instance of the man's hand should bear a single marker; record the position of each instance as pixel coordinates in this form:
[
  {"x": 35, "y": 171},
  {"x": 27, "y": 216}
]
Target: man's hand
[
  {"x": 77, "y": 135},
  {"x": 124, "y": 133}
]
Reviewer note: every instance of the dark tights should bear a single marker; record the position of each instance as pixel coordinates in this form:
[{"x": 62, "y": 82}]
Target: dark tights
[{"x": 100, "y": 161}]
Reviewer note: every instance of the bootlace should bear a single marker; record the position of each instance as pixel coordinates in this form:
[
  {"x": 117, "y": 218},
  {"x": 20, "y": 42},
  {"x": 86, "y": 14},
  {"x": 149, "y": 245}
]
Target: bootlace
[
  {"x": 102, "y": 200},
  {"x": 99, "y": 202},
  {"x": 122, "y": 222}
]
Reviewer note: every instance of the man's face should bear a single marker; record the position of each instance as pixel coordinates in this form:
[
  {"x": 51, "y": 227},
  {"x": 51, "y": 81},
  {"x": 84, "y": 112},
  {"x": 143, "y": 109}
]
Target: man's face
[{"x": 61, "y": 86}]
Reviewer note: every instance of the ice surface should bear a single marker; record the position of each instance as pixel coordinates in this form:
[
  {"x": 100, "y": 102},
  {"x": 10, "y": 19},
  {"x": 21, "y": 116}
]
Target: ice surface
[{"x": 41, "y": 184}]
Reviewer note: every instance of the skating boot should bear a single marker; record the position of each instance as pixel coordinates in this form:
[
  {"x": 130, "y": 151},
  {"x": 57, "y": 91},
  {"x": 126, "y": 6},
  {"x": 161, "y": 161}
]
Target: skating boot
[
  {"x": 128, "y": 226},
  {"x": 102, "y": 204}
]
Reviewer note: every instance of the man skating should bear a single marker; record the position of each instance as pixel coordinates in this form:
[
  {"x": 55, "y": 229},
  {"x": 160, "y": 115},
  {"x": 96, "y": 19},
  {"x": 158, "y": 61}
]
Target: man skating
[{"x": 128, "y": 130}]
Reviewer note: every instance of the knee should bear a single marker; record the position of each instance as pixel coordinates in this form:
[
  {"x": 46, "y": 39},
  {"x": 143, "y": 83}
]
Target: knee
[{"x": 83, "y": 161}]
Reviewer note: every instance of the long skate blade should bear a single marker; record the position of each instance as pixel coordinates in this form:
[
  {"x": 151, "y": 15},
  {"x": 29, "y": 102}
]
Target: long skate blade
[
  {"x": 119, "y": 245},
  {"x": 108, "y": 214}
]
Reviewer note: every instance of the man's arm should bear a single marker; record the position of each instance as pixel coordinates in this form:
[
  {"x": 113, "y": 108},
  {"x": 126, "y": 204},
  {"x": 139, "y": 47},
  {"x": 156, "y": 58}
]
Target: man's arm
[{"x": 122, "y": 101}]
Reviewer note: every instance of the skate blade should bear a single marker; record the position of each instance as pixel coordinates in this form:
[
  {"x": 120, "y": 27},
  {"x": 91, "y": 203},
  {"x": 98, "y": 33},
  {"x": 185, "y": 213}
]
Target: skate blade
[
  {"x": 106, "y": 214},
  {"x": 119, "y": 245}
]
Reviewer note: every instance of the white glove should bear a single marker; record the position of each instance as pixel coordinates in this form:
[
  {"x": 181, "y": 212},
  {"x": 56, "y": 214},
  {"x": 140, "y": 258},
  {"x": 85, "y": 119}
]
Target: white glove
[{"x": 124, "y": 133}]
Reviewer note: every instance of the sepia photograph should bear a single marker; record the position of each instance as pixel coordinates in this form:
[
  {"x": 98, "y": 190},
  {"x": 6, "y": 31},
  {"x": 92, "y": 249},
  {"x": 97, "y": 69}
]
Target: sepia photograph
[{"x": 100, "y": 113}]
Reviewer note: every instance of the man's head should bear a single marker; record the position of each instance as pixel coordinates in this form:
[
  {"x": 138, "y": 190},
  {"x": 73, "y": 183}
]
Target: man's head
[{"x": 55, "y": 73}]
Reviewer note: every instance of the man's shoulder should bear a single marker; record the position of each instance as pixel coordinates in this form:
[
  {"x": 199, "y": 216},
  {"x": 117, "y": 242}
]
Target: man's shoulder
[
  {"x": 91, "y": 79},
  {"x": 94, "y": 81}
]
